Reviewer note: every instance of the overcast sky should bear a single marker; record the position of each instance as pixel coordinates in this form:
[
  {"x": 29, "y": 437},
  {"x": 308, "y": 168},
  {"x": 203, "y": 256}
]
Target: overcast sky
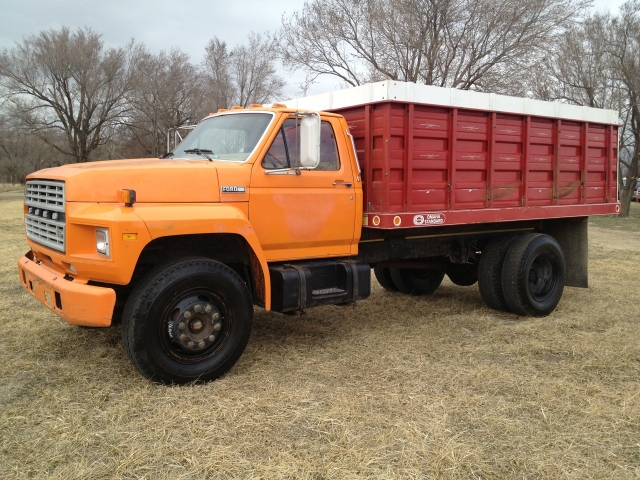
[{"x": 162, "y": 24}]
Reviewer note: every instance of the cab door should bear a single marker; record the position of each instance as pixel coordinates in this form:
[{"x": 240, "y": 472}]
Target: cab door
[{"x": 303, "y": 213}]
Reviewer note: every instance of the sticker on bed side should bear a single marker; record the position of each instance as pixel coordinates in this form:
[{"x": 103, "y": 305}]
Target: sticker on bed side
[{"x": 429, "y": 219}]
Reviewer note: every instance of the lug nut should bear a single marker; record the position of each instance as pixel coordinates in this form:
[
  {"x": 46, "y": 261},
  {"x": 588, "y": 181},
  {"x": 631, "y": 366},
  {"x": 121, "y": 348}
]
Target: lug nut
[
  {"x": 187, "y": 315},
  {"x": 181, "y": 325},
  {"x": 190, "y": 344},
  {"x": 183, "y": 337},
  {"x": 215, "y": 317},
  {"x": 212, "y": 338},
  {"x": 208, "y": 308},
  {"x": 201, "y": 344},
  {"x": 197, "y": 308},
  {"x": 217, "y": 327}
]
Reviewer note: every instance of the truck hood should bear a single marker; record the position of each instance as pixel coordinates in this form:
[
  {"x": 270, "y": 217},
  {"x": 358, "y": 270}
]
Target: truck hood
[{"x": 154, "y": 180}]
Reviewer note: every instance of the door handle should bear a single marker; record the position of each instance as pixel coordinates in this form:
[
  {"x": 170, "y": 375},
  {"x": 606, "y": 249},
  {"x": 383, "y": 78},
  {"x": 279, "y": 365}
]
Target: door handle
[{"x": 346, "y": 184}]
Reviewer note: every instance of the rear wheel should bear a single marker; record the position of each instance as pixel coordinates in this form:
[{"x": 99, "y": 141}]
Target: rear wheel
[
  {"x": 416, "y": 281},
  {"x": 383, "y": 275},
  {"x": 490, "y": 271},
  {"x": 188, "y": 321},
  {"x": 533, "y": 275},
  {"x": 464, "y": 275}
]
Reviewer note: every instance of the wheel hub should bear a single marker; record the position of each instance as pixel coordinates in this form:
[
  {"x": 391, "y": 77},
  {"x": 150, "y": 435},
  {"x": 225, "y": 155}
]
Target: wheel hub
[
  {"x": 541, "y": 277},
  {"x": 195, "y": 325}
]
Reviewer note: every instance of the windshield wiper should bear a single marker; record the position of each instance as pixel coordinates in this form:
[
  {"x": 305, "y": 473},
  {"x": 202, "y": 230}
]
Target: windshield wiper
[
  {"x": 166, "y": 155},
  {"x": 199, "y": 151}
]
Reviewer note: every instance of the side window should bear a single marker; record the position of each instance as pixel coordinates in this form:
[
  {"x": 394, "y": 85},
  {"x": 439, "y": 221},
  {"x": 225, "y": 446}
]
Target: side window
[
  {"x": 277, "y": 156},
  {"x": 283, "y": 152},
  {"x": 328, "y": 148}
]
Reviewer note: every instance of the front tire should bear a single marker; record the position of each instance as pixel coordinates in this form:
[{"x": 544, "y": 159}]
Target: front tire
[
  {"x": 187, "y": 321},
  {"x": 533, "y": 275}
]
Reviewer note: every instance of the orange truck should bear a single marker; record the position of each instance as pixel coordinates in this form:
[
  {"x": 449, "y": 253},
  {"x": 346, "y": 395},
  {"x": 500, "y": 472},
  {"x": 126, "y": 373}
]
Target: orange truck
[{"x": 290, "y": 206}]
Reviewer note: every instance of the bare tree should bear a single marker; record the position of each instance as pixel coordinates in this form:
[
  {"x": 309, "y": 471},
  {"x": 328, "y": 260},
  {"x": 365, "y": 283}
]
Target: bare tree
[
  {"x": 243, "y": 75},
  {"x": 168, "y": 93},
  {"x": 597, "y": 63},
  {"x": 68, "y": 82},
  {"x": 22, "y": 153},
  {"x": 254, "y": 71},
  {"x": 479, "y": 44},
  {"x": 217, "y": 68},
  {"x": 625, "y": 59}
]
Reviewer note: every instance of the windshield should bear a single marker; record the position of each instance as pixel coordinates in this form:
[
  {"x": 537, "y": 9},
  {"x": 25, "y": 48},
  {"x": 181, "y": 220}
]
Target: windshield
[{"x": 224, "y": 137}]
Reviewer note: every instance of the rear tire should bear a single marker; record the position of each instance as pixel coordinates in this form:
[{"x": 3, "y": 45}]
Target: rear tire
[
  {"x": 490, "y": 271},
  {"x": 533, "y": 275},
  {"x": 187, "y": 321},
  {"x": 417, "y": 281},
  {"x": 383, "y": 275},
  {"x": 464, "y": 275}
]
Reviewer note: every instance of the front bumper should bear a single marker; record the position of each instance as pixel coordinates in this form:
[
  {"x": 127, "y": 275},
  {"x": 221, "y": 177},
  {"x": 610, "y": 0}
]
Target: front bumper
[{"x": 78, "y": 303}]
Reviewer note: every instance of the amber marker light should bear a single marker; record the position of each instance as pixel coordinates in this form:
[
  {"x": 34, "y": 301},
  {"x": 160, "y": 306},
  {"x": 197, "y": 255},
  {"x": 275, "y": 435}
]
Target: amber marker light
[
  {"x": 279, "y": 105},
  {"x": 222, "y": 110},
  {"x": 237, "y": 107},
  {"x": 129, "y": 236},
  {"x": 255, "y": 105},
  {"x": 128, "y": 197}
]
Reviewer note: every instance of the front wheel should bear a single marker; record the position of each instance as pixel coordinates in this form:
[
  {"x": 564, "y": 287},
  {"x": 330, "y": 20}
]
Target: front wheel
[{"x": 188, "y": 321}]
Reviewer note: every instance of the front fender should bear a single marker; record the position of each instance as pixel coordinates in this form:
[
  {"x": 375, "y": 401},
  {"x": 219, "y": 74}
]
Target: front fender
[{"x": 165, "y": 220}]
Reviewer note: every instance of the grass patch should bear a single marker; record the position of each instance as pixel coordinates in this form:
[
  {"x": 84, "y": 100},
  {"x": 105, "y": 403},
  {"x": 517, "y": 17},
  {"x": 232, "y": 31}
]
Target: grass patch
[
  {"x": 9, "y": 187},
  {"x": 398, "y": 387},
  {"x": 627, "y": 224}
]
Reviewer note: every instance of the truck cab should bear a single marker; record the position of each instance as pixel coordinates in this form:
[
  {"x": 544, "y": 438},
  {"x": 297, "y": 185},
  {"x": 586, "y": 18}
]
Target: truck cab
[{"x": 247, "y": 191}]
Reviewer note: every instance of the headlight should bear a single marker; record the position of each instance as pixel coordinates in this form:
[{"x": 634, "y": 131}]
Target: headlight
[{"x": 102, "y": 241}]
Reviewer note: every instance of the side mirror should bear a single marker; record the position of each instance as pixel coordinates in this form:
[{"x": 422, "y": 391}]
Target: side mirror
[{"x": 310, "y": 141}]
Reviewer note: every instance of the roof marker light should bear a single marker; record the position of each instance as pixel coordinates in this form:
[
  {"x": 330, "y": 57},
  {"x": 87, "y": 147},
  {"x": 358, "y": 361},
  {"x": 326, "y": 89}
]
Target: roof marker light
[{"x": 128, "y": 197}]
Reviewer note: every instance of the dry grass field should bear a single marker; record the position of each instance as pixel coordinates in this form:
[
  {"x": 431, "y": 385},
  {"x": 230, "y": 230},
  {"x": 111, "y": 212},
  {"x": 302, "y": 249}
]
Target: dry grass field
[{"x": 397, "y": 387}]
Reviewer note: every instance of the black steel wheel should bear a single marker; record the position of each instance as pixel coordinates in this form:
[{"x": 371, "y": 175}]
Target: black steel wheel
[
  {"x": 188, "y": 321},
  {"x": 463, "y": 274},
  {"x": 490, "y": 271},
  {"x": 416, "y": 281},
  {"x": 533, "y": 275},
  {"x": 383, "y": 275}
]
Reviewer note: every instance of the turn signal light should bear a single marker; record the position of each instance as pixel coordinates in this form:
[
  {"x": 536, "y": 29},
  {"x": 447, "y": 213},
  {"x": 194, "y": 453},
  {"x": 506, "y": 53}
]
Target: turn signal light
[{"x": 128, "y": 197}]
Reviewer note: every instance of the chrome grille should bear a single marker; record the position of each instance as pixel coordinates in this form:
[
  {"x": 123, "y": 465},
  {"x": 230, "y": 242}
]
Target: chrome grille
[{"x": 45, "y": 220}]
